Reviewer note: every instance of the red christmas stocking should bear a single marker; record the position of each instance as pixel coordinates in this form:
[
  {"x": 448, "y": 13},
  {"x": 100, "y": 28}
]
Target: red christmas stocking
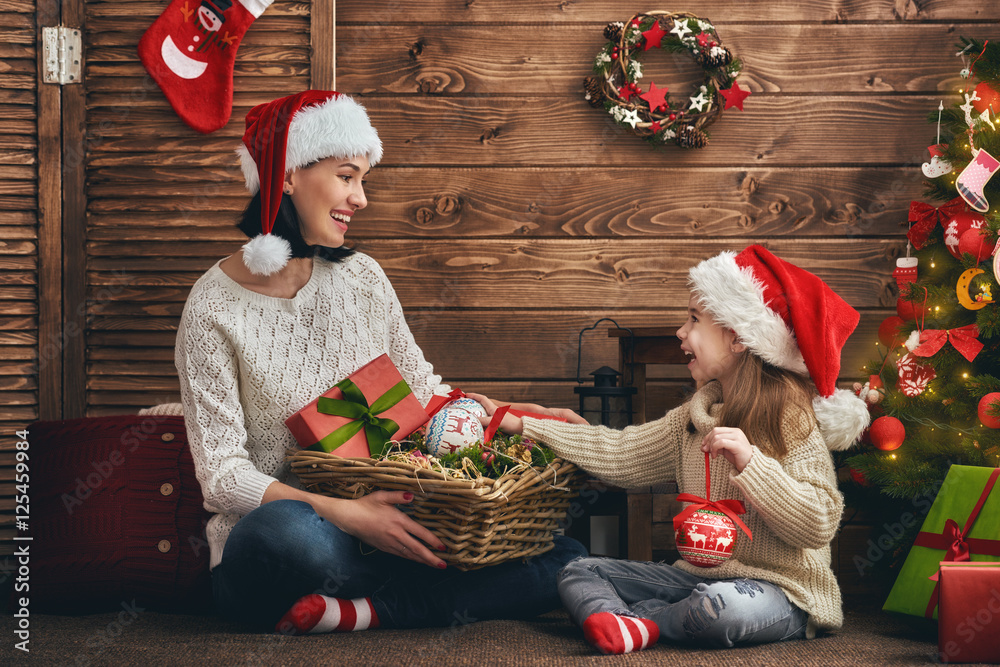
[
  {"x": 905, "y": 274},
  {"x": 189, "y": 51}
]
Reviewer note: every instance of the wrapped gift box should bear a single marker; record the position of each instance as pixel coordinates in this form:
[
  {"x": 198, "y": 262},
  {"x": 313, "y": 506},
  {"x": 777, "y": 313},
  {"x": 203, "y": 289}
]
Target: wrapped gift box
[
  {"x": 969, "y": 612},
  {"x": 963, "y": 525},
  {"x": 360, "y": 414}
]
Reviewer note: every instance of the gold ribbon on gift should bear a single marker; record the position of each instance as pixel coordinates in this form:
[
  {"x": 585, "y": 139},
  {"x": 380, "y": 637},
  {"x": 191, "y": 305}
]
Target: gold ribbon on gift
[{"x": 354, "y": 406}]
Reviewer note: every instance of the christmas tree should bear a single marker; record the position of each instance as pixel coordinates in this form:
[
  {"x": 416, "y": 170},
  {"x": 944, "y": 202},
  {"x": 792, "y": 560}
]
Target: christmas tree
[{"x": 934, "y": 390}]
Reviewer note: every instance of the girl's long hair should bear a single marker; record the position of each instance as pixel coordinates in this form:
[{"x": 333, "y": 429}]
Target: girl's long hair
[
  {"x": 288, "y": 227},
  {"x": 763, "y": 398}
]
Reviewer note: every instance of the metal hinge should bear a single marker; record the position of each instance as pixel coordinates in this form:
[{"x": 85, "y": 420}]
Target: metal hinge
[{"x": 62, "y": 50}]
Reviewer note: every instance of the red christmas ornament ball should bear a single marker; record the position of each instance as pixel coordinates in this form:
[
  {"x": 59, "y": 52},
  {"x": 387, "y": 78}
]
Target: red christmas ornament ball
[
  {"x": 887, "y": 433},
  {"x": 991, "y": 421},
  {"x": 890, "y": 331},
  {"x": 958, "y": 225},
  {"x": 989, "y": 98},
  {"x": 974, "y": 242},
  {"x": 858, "y": 477},
  {"x": 706, "y": 538},
  {"x": 910, "y": 311}
]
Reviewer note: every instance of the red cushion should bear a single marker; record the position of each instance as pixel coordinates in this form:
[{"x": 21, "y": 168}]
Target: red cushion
[{"x": 116, "y": 515}]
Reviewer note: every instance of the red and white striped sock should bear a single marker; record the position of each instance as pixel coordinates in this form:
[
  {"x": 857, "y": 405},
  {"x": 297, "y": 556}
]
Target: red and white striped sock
[
  {"x": 613, "y": 634},
  {"x": 317, "y": 613}
]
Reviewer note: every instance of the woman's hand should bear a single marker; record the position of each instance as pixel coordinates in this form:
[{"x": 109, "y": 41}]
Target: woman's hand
[
  {"x": 732, "y": 443},
  {"x": 491, "y": 406},
  {"x": 375, "y": 520}
]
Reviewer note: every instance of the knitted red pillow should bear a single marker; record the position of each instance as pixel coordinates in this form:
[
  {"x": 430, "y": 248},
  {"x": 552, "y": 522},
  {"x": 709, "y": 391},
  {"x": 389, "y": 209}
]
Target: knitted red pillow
[{"x": 116, "y": 515}]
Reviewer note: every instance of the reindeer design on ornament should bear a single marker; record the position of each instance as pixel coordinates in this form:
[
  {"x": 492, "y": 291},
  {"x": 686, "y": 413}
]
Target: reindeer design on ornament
[
  {"x": 696, "y": 537},
  {"x": 723, "y": 543}
]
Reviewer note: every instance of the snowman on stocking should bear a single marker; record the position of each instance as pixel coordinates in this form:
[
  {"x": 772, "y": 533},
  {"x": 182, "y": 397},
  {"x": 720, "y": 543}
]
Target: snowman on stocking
[{"x": 190, "y": 50}]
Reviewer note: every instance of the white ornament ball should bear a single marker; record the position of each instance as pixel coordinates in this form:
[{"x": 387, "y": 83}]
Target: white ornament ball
[
  {"x": 452, "y": 429},
  {"x": 469, "y": 405}
]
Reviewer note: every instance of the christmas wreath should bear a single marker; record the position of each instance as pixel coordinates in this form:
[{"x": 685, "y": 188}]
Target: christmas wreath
[{"x": 653, "y": 115}]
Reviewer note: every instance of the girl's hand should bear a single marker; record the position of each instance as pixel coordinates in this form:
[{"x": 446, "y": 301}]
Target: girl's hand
[
  {"x": 374, "y": 519},
  {"x": 732, "y": 443},
  {"x": 564, "y": 413}
]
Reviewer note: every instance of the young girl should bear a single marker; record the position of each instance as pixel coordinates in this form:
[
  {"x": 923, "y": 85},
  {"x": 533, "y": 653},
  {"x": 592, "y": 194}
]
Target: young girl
[
  {"x": 764, "y": 338},
  {"x": 263, "y": 333}
]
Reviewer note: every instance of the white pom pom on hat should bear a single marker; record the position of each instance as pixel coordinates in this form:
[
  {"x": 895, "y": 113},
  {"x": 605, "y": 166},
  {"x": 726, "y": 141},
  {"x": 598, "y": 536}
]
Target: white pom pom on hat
[
  {"x": 287, "y": 134},
  {"x": 791, "y": 319}
]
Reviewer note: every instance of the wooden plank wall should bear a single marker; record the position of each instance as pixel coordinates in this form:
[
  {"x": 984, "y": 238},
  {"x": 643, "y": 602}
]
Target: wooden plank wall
[{"x": 510, "y": 214}]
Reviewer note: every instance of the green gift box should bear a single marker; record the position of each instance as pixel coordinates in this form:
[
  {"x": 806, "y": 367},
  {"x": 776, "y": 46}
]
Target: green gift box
[{"x": 963, "y": 525}]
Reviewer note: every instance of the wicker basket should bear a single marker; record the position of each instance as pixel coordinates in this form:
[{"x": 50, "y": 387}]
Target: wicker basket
[{"x": 481, "y": 522}]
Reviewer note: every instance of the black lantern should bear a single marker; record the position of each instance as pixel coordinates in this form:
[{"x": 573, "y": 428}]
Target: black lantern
[{"x": 605, "y": 400}]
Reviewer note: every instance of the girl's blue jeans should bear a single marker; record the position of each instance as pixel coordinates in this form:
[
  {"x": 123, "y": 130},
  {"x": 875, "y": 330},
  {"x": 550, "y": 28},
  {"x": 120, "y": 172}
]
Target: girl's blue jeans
[
  {"x": 685, "y": 607},
  {"x": 283, "y": 550}
]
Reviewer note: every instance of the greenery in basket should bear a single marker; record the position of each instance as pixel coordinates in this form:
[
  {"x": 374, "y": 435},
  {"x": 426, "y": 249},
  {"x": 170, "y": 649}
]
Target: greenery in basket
[{"x": 503, "y": 454}]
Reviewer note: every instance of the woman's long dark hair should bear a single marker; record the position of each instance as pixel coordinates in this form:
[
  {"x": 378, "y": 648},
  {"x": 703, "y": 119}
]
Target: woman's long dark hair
[{"x": 288, "y": 227}]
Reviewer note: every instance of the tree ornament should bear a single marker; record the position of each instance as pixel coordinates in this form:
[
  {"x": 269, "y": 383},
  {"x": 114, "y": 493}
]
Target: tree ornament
[
  {"x": 871, "y": 392},
  {"x": 975, "y": 243},
  {"x": 705, "y": 538},
  {"x": 913, "y": 375},
  {"x": 924, "y": 218},
  {"x": 890, "y": 331},
  {"x": 958, "y": 224},
  {"x": 986, "y": 98},
  {"x": 974, "y": 177},
  {"x": 452, "y": 429},
  {"x": 986, "y": 402},
  {"x": 705, "y": 530},
  {"x": 887, "y": 433},
  {"x": 905, "y": 275},
  {"x": 938, "y": 166},
  {"x": 654, "y": 116},
  {"x": 982, "y": 299}
]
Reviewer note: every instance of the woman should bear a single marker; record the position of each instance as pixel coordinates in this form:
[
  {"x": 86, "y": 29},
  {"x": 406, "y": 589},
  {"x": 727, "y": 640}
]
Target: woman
[{"x": 263, "y": 333}]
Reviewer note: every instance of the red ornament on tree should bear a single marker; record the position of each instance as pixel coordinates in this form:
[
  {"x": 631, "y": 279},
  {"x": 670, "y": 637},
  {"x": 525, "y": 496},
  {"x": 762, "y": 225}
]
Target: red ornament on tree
[
  {"x": 887, "y": 433},
  {"x": 890, "y": 332},
  {"x": 913, "y": 375},
  {"x": 905, "y": 275},
  {"x": 956, "y": 226},
  {"x": 988, "y": 99},
  {"x": 974, "y": 242},
  {"x": 991, "y": 399}
]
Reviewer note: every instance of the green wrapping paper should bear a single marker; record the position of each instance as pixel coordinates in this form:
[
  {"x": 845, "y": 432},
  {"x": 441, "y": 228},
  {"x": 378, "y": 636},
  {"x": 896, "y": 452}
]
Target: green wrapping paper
[{"x": 963, "y": 525}]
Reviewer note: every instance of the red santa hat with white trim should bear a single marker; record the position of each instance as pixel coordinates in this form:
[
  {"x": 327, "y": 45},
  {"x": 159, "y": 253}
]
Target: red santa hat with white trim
[
  {"x": 791, "y": 319},
  {"x": 287, "y": 134}
]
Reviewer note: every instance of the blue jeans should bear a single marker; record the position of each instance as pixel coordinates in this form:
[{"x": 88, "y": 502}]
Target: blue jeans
[
  {"x": 283, "y": 550},
  {"x": 686, "y": 608}
]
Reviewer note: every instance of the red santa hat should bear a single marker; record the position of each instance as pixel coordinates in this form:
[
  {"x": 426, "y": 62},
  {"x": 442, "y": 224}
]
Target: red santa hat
[
  {"x": 288, "y": 134},
  {"x": 791, "y": 319}
]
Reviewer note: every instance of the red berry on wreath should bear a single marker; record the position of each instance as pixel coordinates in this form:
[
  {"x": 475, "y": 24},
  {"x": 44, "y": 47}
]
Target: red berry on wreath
[
  {"x": 991, "y": 399},
  {"x": 673, "y": 116},
  {"x": 887, "y": 433}
]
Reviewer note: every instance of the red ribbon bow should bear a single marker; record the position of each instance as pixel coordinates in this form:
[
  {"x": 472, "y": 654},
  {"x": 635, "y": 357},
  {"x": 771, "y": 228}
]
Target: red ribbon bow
[
  {"x": 964, "y": 339},
  {"x": 728, "y": 507},
  {"x": 955, "y": 543},
  {"x": 437, "y": 402},
  {"x": 925, "y": 217}
]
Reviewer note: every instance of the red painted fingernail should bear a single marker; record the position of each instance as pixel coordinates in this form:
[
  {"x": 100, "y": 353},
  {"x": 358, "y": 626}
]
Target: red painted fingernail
[
  {"x": 442, "y": 565},
  {"x": 407, "y": 496}
]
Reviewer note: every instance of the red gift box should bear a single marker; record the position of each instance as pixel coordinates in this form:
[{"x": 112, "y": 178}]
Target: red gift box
[
  {"x": 360, "y": 414},
  {"x": 969, "y": 612}
]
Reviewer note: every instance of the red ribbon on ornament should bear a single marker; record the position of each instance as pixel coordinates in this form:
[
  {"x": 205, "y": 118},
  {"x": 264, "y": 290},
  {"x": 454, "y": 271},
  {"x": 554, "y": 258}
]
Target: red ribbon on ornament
[
  {"x": 924, "y": 218},
  {"x": 437, "y": 402},
  {"x": 494, "y": 424},
  {"x": 728, "y": 507},
  {"x": 964, "y": 339},
  {"x": 957, "y": 546}
]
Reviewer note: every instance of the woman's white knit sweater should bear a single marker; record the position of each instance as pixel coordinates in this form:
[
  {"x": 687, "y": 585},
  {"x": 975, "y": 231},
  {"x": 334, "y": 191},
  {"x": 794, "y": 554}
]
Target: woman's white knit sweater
[
  {"x": 793, "y": 505},
  {"x": 247, "y": 361}
]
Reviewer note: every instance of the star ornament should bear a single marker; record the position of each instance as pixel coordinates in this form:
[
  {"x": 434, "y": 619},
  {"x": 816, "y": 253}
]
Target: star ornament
[
  {"x": 631, "y": 117},
  {"x": 735, "y": 96},
  {"x": 655, "y": 97},
  {"x": 681, "y": 28},
  {"x": 654, "y": 36},
  {"x": 698, "y": 103}
]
